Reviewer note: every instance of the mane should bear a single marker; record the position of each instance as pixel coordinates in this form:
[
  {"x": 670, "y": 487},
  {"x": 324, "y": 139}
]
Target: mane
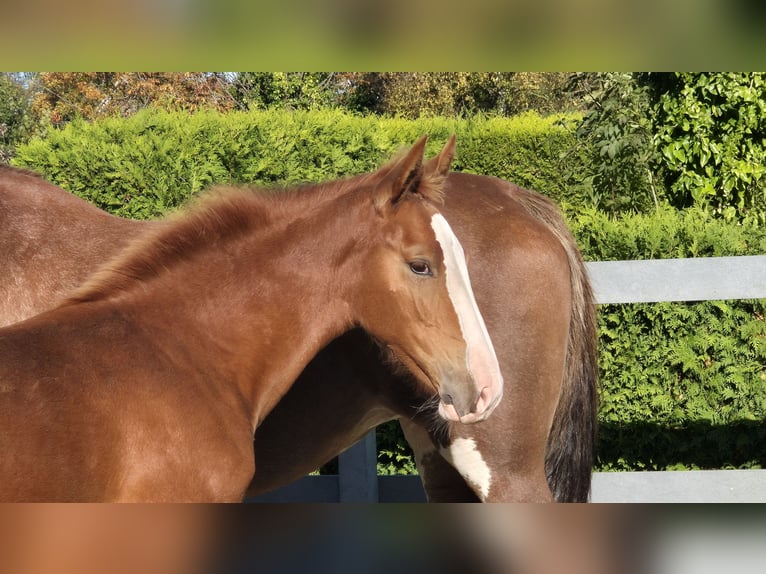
[
  {"x": 224, "y": 214},
  {"x": 220, "y": 215}
]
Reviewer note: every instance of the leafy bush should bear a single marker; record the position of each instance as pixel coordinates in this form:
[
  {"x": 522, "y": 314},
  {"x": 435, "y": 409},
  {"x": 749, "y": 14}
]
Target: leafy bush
[
  {"x": 711, "y": 131},
  {"x": 666, "y": 233},
  {"x": 616, "y": 134},
  {"x": 394, "y": 454},
  {"x": 689, "y": 139},
  {"x": 15, "y": 125},
  {"x": 533, "y": 152},
  {"x": 683, "y": 385},
  {"x": 149, "y": 163}
]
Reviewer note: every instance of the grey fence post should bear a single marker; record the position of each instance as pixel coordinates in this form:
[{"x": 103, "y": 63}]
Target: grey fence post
[{"x": 358, "y": 471}]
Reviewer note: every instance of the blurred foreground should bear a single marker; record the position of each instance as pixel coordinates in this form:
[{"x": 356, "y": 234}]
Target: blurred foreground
[{"x": 400, "y": 539}]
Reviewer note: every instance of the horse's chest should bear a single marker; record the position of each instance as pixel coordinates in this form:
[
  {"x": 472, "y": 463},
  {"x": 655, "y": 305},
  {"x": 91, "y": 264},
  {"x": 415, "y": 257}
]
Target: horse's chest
[
  {"x": 464, "y": 455},
  {"x": 199, "y": 456}
]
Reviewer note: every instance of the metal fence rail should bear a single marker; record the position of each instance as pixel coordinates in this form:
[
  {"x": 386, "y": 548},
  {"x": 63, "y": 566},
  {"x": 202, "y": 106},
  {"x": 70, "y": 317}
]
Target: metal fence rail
[{"x": 698, "y": 279}]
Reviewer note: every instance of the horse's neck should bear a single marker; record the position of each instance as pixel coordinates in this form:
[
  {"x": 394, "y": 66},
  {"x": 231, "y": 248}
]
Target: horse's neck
[{"x": 264, "y": 303}]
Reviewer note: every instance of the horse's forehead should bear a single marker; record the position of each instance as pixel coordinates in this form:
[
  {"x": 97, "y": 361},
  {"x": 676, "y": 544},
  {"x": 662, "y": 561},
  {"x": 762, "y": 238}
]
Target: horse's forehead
[{"x": 413, "y": 220}]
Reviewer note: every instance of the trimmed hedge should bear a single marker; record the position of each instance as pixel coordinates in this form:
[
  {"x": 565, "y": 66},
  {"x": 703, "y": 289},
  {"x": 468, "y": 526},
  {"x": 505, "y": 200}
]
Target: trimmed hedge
[
  {"x": 144, "y": 165},
  {"x": 683, "y": 385}
]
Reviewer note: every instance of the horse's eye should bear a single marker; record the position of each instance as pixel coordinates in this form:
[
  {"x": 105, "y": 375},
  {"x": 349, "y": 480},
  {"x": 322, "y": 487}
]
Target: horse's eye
[{"x": 420, "y": 268}]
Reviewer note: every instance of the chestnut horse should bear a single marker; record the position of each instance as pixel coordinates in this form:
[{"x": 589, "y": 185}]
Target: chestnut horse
[
  {"x": 529, "y": 281},
  {"x": 148, "y": 382}
]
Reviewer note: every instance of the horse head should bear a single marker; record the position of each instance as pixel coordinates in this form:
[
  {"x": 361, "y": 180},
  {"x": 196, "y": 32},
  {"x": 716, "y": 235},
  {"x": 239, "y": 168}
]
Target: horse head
[{"x": 420, "y": 302}]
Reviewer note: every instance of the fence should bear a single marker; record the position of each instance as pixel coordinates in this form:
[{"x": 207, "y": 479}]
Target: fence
[{"x": 698, "y": 279}]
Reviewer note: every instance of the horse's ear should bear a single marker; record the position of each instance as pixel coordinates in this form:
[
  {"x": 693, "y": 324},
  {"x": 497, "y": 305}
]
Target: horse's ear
[
  {"x": 440, "y": 165},
  {"x": 401, "y": 176}
]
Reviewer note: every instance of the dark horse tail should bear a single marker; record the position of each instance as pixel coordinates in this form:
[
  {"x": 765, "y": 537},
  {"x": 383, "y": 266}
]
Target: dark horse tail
[{"x": 570, "y": 452}]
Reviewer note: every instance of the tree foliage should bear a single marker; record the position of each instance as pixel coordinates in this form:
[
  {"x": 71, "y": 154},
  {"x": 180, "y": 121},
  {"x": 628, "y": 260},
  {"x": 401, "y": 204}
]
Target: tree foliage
[
  {"x": 459, "y": 94},
  {"x": 409, "y": 94},
  {"x": 616, "y": 133},
  {"x": 15, "y": 122},
  {"x": 291, "y": 90},
  {"x": 691, "y": 139},
  {"x": 711, "y": 132},
  {"x": 64, "y": 96}
]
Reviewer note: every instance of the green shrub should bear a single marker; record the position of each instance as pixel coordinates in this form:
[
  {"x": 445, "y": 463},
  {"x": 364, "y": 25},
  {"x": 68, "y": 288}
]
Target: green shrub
[
  {"x": 394, "y": 453},
  {"x": 666, "y": 233},
  {"x": 616, "y": 135},
  {"x": 683, "y": 385},
  {"x": 711, "y": 131},
  {"x": 149, "y": 163},
  {"x": 527, "y": 150}
]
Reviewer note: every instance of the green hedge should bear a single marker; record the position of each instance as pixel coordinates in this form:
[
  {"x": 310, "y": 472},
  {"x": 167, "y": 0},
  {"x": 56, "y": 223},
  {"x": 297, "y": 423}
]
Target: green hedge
[
  {"x": 144, "y": 165},
  {"x": 683, "y": 385}
]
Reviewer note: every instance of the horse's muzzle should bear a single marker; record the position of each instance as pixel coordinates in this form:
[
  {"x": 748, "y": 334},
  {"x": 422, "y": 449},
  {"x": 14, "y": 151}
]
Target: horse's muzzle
[{"x": 468, "y": 410}]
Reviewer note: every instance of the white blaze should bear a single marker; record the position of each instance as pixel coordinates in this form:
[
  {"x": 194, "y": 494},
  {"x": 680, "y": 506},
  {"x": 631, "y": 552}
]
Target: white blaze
[
  {"x": 467, "y": 459},
  {"x": 480, "y": 354}
]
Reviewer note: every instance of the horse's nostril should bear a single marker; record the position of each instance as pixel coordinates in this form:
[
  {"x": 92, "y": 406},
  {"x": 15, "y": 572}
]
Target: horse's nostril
[
  {"x": 447, "y": 399},
  {"x": 482, "y": 402}
]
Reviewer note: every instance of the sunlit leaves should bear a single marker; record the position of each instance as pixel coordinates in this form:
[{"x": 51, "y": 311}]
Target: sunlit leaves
[{"x": 711, "y": 132}]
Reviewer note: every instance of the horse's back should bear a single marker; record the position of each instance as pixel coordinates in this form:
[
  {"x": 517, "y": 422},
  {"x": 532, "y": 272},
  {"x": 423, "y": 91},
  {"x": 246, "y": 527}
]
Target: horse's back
[
  {"x": 50, "y": 241},
  {"x": 516, "y": 262}
]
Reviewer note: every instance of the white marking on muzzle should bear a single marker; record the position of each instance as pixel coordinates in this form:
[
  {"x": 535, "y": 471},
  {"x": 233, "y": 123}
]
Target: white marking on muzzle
[
  {"x": 467, "y": 460},
  {"x": 480, "y": 353}
]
